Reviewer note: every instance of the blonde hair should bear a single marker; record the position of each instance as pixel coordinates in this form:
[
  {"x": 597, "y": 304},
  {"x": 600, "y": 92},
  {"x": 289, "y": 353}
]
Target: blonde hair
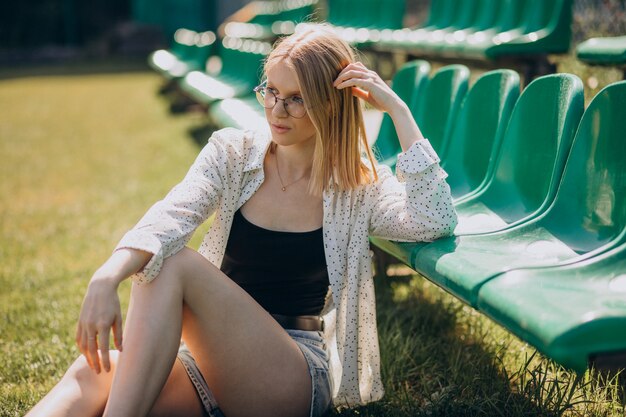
[{"x": 317, "y": 56}]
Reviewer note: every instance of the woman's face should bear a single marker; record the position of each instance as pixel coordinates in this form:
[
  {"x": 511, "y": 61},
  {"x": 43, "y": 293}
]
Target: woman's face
[{"x": 286, "y": 130}]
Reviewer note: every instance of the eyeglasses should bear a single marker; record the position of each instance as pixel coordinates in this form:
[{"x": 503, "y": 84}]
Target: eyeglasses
[{"x": 294, "y": 105}]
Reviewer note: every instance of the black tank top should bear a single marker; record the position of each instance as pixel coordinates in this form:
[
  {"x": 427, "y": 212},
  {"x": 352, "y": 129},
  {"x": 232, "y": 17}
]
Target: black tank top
[{"x": 285, "y": 272}]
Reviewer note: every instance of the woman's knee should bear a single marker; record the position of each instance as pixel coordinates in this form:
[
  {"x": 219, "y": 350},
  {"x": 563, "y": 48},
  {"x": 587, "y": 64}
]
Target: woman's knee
[
  {"x": 179, "y": 263},
  {"x": 80, "y": 372},
  {"x": 187, "y": 263}
]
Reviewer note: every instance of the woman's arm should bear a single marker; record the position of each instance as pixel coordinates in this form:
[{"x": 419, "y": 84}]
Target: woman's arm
[
  {"x": 100, "y": 312},
  {"x": 368, "y": 85},
  {"x": 163, "y": 230},
  {"x": 417, "y": 205},
  {"x": 169, "y": 224}
]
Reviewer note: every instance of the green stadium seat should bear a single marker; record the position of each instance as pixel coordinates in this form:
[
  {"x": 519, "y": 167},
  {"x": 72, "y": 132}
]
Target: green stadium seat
[
  {"x": 574, "y": 313},
  {"x": 242, "y": 113},
  {"x": 408, "y": 82},
  {"x": 487, "y": 11},
  {"x": 189, "y": 52},
  {"x": 197, "y": 15},
  {"x": 272, "y": 19},
  {"x": 436, "y": 109},
  {"x": 603, "y": 51},
  {"x": 441, "y": 15},
  {"x": 361, "y": 22},
  {"x": 474, "y": 141},
  {"x": 464, "y": 17},
  {"x": 531, "y": 159},
  {"x": 241, "y": 65},
  {"x": 556, "y": 117},
  {"x": 488, "y": 30},
  {"x": 587, "y": 216},
  {"x": 547, "y": 29},
  {"x": 509, "y": 18}
]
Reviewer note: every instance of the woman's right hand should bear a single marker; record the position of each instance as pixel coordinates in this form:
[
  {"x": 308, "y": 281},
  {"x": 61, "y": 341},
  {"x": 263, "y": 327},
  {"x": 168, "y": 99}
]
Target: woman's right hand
[{"x": 99, "y": 314}]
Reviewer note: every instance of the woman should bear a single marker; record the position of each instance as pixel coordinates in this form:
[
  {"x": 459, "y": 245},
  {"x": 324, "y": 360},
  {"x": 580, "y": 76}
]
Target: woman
[{"x": 276, "y": 311}]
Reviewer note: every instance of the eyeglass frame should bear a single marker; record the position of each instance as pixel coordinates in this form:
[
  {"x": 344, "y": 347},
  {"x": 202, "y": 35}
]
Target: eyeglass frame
[{"x": 261, "y": 91}]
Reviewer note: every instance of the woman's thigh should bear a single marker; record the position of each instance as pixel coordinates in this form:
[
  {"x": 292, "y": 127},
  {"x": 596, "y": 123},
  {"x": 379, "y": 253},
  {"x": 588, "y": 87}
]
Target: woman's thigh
[
  {"x": 252, "y": 366},
  {"x": 177, "y": 398}
]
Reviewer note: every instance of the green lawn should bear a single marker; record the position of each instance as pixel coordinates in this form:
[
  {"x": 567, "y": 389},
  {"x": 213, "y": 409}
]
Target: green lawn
[{"x": 83, "y": 157}]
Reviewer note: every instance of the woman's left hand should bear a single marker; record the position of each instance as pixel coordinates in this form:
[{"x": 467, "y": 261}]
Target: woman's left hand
[{"x": 368, "y": 85}]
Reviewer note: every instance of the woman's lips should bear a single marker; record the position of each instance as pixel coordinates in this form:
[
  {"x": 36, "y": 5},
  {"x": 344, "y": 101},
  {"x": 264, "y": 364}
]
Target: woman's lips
[{"x": 279, "y": 128}]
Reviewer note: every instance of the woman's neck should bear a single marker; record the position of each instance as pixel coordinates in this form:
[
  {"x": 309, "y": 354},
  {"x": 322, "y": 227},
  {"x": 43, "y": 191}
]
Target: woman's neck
[{"x": 295, "y": 160}]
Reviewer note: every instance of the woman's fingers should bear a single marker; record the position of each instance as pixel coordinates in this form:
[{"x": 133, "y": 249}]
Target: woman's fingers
[
  {"x": 353, "y": 72},
  {"x": 365, "y": 95},
  {"x": 92, "y": 351},
  {"x": 367, "y": 85},
  {"x": 103, "y": 341},
  {"x": 117, "y": 332}
]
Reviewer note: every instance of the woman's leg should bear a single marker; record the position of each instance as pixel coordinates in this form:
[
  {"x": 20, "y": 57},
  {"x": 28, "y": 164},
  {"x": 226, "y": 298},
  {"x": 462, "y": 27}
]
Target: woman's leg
[
  {"x": 83, "y": 393},
  {"x": 250, "y": 363}
]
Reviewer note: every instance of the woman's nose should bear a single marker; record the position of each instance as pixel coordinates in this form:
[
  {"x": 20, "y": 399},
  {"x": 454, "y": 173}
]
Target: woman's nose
[{"x": 279, "y": 109}]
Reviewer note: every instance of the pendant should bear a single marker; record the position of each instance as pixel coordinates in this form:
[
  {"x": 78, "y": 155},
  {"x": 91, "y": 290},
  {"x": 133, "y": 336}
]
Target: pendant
[{"x": 284, "y": 188}]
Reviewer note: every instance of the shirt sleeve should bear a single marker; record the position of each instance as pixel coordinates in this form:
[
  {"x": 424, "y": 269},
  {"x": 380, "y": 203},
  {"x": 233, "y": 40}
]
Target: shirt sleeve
[
  {"x": 417, "y": 204},
  {"x": 169, "y": 224}
]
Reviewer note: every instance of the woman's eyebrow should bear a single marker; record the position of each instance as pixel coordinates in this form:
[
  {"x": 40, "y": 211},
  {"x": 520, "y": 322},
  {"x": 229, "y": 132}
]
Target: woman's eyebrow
[{"x": 289, "y": 94}]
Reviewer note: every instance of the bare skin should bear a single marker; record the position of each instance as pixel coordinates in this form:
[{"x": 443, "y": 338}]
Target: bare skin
[{"x": 250, "y": 363}]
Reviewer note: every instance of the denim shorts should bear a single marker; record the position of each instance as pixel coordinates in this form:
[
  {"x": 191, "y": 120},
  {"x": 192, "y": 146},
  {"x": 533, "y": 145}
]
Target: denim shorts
[{"x": 312, "y": 345}]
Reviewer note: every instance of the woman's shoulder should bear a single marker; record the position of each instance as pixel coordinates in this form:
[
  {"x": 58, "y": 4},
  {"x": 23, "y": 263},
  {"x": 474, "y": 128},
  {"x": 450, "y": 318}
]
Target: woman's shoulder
[
  {"x": 246, "y": 147},
  {"x": 377, "y": 172}
]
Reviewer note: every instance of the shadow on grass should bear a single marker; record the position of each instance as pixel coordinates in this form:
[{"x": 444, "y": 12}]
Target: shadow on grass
[
  {"x": 200, "y": 134},
  {"x": 430, "y": 367}
]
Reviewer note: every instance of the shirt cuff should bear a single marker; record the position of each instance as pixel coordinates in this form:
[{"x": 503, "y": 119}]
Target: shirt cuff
[
  {"x": 146, "y": 243},
  {"x": 417, "y": 158}
]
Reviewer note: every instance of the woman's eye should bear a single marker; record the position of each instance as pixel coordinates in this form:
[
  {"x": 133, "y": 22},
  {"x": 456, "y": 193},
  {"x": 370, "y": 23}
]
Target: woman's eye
[{"x": 297, "y": 100}]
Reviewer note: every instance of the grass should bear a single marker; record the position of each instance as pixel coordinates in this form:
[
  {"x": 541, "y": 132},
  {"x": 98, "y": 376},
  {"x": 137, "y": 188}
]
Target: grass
[{"x": 83, "y": 156}]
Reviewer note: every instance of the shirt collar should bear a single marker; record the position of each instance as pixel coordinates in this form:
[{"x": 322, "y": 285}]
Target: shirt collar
[{"x": 260, "y": 146}]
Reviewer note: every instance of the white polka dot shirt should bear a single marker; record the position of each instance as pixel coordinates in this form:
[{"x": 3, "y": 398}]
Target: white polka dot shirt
[{"x": 414, "y": 206}]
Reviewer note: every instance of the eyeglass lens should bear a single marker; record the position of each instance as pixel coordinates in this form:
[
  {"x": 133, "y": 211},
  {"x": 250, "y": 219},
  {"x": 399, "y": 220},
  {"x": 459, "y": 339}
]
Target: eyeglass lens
[{"x": 294, "y": 106}]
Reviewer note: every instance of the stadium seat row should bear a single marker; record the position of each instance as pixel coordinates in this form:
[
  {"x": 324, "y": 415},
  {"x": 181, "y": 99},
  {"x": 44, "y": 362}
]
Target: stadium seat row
[{"x": 540, "y": 190}]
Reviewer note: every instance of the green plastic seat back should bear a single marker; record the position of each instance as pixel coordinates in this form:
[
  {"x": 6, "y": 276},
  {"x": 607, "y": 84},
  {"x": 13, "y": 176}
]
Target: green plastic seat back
[
  {"x": 448, "y": 13},
  {"x": 590, "y": 206},
  {"x": 242, "y": 60},
  {"x": 465, "y": 15},
  {"x": 438, "y": 14},
  {"x": 508, "y": 15},
  {"x": 390, "y": 14},
  {"x": 266, "y": 12},
  {"x": 339, "y": 12},
  {"x": 409, "y": 81},
  {"x": 364, "y": 13},
  {"x": 535, "y": 12},
  {"x": 298, "y": 14},
  {"x": 512, "y": 15},
  {"x": 436, "y": 108},
  {"x": 487, "y": 11},
  {"x": 544, "y": 15},
  {"x": 204, "y": 47},
  {"x": 534, "y": 148},
  {"x": 181, "y": 41},
  {"x": 474, "y": 141},
  {"x": 197, "y": 15},
  {"x": 541, "y": 13}
]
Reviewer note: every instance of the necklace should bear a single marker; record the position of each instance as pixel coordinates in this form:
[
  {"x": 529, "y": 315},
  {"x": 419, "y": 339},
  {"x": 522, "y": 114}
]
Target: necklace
[{"x": 283, "y": 186}]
